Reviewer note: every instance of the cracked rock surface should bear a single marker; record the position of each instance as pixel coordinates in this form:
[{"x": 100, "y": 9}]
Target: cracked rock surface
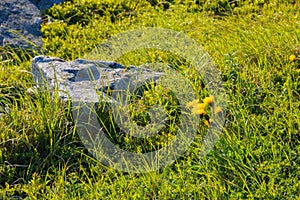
[
  {"x": 88, "y": 81},
  {"x": 20, "y": 22}
]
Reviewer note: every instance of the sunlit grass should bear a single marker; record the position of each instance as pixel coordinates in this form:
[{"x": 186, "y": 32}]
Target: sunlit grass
[{"x": 255, "y": 47}]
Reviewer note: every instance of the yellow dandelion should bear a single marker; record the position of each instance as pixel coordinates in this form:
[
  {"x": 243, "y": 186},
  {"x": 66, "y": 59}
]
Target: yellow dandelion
[
  {"x": 200, "y": 106},
  {"x": 197, "y": 111},
  {"x": 208, "y": 100},
  {"x": 207, "y": 123},
  {"x": 218, "y": 110},
  {"x": 292, "y": 57},
  {"x": 192, "y": 103}
]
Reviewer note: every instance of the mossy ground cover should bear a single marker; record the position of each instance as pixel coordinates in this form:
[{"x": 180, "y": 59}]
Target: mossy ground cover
[{"x": 254, "y": 44}]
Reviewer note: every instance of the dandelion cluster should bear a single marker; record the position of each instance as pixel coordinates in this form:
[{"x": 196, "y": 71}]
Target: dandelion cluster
[{"x": 200, "y": 108}]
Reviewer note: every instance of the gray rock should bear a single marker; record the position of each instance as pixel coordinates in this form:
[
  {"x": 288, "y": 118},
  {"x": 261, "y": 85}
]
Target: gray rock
[
  {"x": 20, "y": 22},
  {"x": 89, "y": 81},
  {"x": 45, "y": 4}
]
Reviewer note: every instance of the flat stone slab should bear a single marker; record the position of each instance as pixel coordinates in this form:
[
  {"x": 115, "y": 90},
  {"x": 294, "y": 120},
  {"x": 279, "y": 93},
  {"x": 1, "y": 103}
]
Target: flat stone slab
[{"x": 88, "y": 81}]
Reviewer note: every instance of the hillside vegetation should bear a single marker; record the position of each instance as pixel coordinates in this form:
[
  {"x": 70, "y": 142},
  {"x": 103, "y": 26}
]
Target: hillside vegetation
[{"x": 254, "y": 43}]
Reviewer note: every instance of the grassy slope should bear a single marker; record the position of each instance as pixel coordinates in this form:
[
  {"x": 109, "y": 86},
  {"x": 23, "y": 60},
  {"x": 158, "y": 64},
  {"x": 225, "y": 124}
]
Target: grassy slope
[{"x": 258, "y": 154}]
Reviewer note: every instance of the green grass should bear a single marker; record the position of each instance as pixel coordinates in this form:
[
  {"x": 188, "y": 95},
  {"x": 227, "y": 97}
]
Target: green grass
[{"x": 257, "y": 156}]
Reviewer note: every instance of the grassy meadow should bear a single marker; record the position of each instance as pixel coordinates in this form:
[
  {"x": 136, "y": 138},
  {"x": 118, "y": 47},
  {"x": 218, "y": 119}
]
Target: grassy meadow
[{"x": 254, "y": 43}]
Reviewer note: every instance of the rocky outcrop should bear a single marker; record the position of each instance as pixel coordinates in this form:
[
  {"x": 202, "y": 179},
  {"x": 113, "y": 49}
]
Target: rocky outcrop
[
  {"x": 45, "y": 4},
  {"x": 20, "y": 22},
  {"x": 88, "y": 81}
]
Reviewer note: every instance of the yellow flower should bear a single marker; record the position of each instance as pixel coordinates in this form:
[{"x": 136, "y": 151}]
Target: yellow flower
[
  {"x": 207, "y": 123},
  {"x": 292, "y": 57},
  {"x": 192, "y": 103},
  {"x": 200, "y": 106},
  {"x": 218, "y": 110},
  {"x": 208, "y": 100},
  {"x": 198, "y": 111}
]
